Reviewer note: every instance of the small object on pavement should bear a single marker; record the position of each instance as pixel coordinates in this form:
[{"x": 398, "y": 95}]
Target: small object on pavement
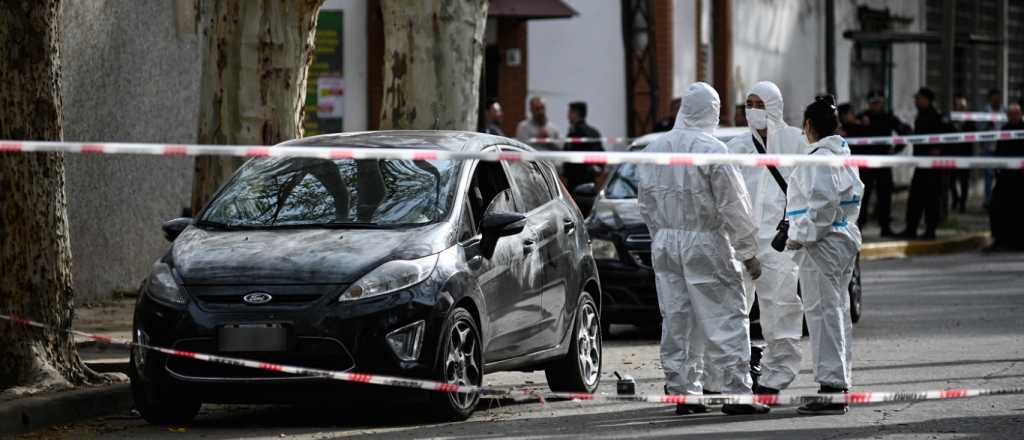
[{"x": 626, "y": 385}]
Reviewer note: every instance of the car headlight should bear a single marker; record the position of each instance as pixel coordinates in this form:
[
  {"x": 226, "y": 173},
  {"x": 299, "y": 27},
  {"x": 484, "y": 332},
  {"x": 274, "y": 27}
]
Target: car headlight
[
  {"x": 162, "y": 285},
  {"x": 604, "y": 249},
  {"x": 391, "y": 277}
]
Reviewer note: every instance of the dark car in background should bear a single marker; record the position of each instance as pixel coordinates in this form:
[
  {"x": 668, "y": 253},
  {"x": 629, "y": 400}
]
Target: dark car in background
[
  {"x": 621, "y": 245},
  {"x": 434, "y": 269}
]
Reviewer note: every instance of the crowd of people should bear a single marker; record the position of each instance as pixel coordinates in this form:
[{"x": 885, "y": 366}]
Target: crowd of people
[{"x": 720, "y": 233}]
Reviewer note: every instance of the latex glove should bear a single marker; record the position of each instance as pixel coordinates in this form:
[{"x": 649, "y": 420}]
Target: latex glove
[
  {"x": 793, "y": 245},
  {"x": 753, "y": 266}
]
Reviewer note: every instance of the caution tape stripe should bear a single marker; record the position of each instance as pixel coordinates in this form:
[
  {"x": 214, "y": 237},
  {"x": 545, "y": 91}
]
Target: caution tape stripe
[
  {"x": 978, "y": 116},
  {"x": 768, "y": 399},
  {"x": 921, "y": 139},
  {"x": 749, "y": 160}
]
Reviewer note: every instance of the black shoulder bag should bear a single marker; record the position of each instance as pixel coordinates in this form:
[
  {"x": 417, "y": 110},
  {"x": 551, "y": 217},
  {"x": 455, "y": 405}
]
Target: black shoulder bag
[{"x": 781, "y": 231}]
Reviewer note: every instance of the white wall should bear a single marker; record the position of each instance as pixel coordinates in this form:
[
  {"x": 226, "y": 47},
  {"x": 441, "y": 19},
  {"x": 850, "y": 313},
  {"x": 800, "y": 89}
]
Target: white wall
[
  {"x": 355, "y": 61},
  {"x": 580, "y": 59}
]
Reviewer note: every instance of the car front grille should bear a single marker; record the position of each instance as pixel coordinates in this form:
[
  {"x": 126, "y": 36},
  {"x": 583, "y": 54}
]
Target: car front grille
[
  {"x": 231, "y": 297},
  {"x": 310, "y": 352}
]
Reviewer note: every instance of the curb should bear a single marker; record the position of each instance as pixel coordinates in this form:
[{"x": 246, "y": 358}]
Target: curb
[
  {"x": 26, "y": 414},
  {"x": 903, "y": 249}
]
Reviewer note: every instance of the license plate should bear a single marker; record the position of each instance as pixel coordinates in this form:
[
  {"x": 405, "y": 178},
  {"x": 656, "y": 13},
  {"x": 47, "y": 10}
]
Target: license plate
[{"x": 252, "y": 337}]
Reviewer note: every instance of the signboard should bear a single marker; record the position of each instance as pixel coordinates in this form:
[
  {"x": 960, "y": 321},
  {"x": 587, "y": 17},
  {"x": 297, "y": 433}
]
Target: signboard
[{"x": 325, "y": 85}]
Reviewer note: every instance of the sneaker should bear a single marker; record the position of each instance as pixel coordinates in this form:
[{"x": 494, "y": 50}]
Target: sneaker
[
  {"x": 734, "y": 409},
  {"x": 823, "y": 408},
  {"x": 685, "y": 409},
  {"x": 765, "y": 390}
]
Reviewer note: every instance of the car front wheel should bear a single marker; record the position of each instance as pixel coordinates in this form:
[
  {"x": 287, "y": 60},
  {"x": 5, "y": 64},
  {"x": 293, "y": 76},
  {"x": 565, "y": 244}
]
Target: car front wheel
[
  {"x": 160, "y": 406},
  {"x": 580, "y": 369},
  {"x": 460, "y": 363}
]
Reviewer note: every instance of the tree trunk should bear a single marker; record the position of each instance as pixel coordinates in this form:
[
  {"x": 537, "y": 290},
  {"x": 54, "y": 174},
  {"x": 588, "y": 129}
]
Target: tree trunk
[
  {"x": 35, "y": 252},
  {"x": 433, "y": 50},
  {"x": 255, "y": 58}
]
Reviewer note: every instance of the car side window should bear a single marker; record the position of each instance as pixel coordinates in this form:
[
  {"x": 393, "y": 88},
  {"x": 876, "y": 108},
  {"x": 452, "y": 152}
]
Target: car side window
[
  {"x": 467, "y": 225},
  {"x": 532, "y": 187}
]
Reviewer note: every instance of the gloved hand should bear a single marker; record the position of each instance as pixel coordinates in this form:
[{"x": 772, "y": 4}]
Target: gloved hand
[
  {"x": 753, "y": 266},
  {"x": 793, "y": 245}
]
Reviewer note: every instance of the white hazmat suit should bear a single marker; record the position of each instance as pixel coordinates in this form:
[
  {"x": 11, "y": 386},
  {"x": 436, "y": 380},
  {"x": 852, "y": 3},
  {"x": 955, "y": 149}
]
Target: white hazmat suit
[
  {"x": 700, "y": 218},
  {"x": 780, "y": 307},
  {"x": 824, "y": 204}
]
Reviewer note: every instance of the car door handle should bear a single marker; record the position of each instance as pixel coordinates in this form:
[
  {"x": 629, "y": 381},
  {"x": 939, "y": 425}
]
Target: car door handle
[
  {"x": 568, "y": 226},
  {"x": 528, "y": 246}
]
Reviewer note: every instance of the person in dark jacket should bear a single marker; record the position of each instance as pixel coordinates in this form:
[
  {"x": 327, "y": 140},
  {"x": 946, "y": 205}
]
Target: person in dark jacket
[
  {"x": 1005, "y": 211},
  {"x": 928, "y": 187},
  {"x": 960, "y": 180},
  {"x": 493, "y": 115},
  {"x": 877, "y": 121},
  {"x": 578, "y": 174}
]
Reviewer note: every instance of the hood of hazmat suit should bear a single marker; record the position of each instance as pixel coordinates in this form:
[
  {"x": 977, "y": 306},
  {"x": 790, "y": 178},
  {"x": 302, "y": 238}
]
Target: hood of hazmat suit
[
  {"x": 824, "y": 203},
  {"x": 780, "y": 306},
  {"x": 700, "y": 218}
]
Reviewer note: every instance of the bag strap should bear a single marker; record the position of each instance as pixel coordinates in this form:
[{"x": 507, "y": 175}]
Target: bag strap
[{"x": 771, "y": 168}]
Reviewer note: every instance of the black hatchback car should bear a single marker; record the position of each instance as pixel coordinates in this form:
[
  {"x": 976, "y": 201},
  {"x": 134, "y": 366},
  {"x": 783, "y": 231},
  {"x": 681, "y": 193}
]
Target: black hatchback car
[
  {"x": 621, "y": 244},
  {"x": 434, "y": 269}
]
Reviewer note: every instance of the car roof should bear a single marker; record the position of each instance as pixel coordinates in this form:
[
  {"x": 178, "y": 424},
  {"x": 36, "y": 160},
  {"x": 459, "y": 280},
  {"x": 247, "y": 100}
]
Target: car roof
[
  {"x": 723, "y": 134},
  {"x": 449, "y": 140}
]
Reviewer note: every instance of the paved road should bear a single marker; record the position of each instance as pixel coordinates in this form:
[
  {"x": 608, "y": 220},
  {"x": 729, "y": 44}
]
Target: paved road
[{"x": 929, "y": 323}]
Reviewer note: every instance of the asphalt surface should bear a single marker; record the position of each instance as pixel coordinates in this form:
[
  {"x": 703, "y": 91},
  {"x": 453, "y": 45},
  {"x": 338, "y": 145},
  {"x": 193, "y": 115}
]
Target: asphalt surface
[{"x": 929, "y": 323}]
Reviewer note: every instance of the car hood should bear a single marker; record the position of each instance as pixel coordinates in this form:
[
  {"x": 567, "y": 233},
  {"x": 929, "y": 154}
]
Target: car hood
[
  {"x": 615, "y": 214},
  {"x": 304, "y": 256}
]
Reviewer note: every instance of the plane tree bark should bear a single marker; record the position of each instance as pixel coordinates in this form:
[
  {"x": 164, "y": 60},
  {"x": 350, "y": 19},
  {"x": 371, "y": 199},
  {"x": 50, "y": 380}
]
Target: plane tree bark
[
  {"x": 255, "y": 57},
  {"x": 433, "y": 51},
  {"x": 35, "y": 251}
]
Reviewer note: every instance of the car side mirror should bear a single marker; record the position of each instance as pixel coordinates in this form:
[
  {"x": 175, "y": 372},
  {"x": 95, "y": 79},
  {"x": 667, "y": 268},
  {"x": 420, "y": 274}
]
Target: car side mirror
[
  {"x": 173, "y": 228},
  {"x": 496, "y": 225},
  {"x": 586, "y": 190}
]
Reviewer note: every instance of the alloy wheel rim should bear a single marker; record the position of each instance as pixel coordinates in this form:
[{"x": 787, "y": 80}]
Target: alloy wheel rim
[
  {"x": 462, "y": 364},
  {"x": 588, "y": 343}
]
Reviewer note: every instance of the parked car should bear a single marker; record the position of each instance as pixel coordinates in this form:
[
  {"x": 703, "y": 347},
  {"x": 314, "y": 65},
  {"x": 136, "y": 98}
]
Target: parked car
[
  {"x": 621, "y": 244},
  {"x": 434, "y": 269}
]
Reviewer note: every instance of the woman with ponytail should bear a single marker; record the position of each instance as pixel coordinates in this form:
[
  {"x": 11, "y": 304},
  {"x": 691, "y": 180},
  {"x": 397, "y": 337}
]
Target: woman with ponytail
[{"x": 823, "y": 206}]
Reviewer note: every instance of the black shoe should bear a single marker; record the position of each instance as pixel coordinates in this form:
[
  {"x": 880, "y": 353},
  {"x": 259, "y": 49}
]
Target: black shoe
[
  {"x": 765, "y": 390},
  {"x": 823, "y": 408},
  {"x": 887, "y": 233},
  {"x": 734, "y": 409},
  {"x": 930, "y": 235},
  {"x": 685, "y": 409},
  {"x": 712, "y": 393}
]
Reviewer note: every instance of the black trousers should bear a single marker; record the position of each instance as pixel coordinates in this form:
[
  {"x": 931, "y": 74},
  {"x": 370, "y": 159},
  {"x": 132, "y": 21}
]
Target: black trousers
[
  {"x": 960, "y": 181},
  {"x": 1005, "y": 211},
  {"x": 927, "y": 190},
  {"x": 880, "y": 180}
]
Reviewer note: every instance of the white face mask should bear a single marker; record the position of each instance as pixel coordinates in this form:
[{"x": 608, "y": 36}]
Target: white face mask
[{"x": 757, "y": 118}]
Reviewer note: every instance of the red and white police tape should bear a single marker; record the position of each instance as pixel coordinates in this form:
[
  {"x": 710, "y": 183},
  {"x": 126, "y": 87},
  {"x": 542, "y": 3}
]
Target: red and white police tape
[
  {"x": 583, "y": 157},
  {"x": 978, "y": 116},
  {"x": 864, "y": 397}
]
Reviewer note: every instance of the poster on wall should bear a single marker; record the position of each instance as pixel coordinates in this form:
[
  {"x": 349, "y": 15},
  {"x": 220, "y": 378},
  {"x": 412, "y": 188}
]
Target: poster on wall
[{"x": 325, "y": 85}]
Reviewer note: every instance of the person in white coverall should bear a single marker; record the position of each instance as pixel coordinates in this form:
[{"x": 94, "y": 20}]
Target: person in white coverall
[
  {"x": 780, "y": 307},
  {"x": 700, "y": 218},
  {"x": 824, "y": 204}
]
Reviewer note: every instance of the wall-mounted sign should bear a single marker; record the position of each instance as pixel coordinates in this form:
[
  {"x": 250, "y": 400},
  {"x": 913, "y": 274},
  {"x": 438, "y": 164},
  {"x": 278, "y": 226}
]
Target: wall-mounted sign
[{"x": 325, "y": 85}]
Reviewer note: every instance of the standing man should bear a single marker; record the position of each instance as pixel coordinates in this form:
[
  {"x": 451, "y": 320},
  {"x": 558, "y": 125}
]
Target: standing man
[
  {"x": 700, "y": 218},
  {"x": 538, "y": 126},
  {"x": 928, "y": 187},
  {"x": 994, "y": 106},
  {"x": 1005, "y": 212},
  {"x": 577, "y": 174},
  {"x": 960, "y": 179},
  {"x": 494, "y": 115},
  {"x": 781, "y": 309},
  {"x": 878, "y": 180}
]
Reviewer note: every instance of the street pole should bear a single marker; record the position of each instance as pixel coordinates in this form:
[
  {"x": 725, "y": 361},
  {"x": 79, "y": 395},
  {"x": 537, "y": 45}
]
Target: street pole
[
  {"x": 948, "y": 51},
  {"x": 1002, "y": 59},
  {"x": 721, "y": 17},
  {"x": 830, "y": 47}
]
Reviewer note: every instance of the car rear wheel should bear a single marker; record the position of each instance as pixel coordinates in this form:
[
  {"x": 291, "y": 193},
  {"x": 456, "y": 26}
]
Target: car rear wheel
[
  {"x": 160, "y": 406},
  {"x": 580, "y": 370},
  {"x": 460, "y": 363}
]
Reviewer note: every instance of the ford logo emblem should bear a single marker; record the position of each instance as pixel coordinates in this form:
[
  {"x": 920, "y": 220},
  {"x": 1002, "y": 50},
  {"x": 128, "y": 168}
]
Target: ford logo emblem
[{"x": 257, "y": 298}]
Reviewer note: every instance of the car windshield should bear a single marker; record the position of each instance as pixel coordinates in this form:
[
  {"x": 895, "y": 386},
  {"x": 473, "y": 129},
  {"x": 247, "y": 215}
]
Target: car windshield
[
  {"x": 622, "y": 184},
  {"x": 297, "y": 192}
]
